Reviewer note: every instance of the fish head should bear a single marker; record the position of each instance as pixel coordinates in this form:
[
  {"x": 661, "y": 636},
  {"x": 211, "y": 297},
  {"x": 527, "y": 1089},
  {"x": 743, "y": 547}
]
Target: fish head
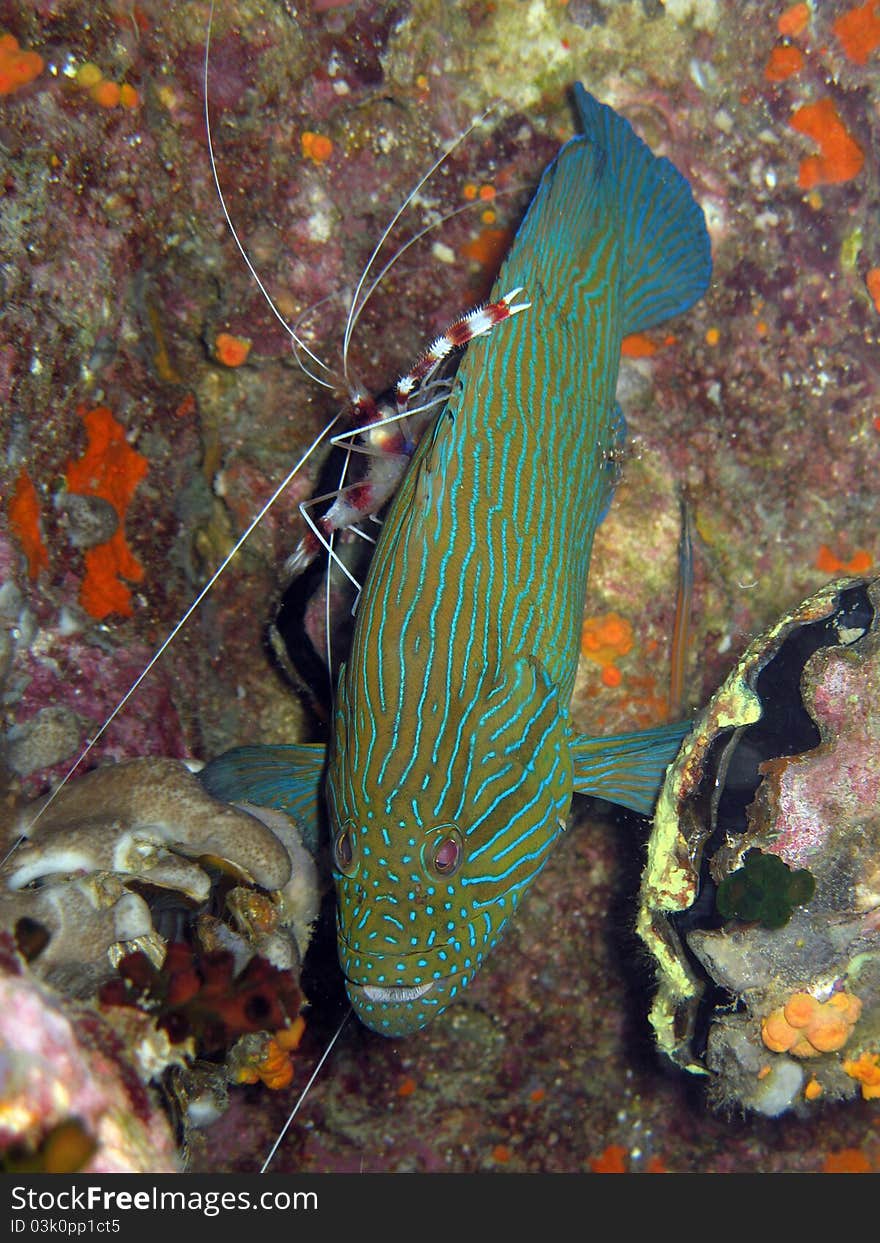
[{"x": 429, "y": 871}]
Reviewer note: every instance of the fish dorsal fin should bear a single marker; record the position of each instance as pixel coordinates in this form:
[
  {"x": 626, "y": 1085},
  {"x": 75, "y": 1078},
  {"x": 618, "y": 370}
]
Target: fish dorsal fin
[
  {"x": 666, "y": 252},
  {"x": 286, "y": 777},
  {"x": 627, "y": 768},
  {"x": 548, "y": 255}
]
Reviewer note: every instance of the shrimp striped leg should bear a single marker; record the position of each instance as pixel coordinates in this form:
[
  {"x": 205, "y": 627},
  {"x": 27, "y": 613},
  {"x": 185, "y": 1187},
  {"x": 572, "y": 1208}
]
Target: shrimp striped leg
[{"x": 386, "y": 433}]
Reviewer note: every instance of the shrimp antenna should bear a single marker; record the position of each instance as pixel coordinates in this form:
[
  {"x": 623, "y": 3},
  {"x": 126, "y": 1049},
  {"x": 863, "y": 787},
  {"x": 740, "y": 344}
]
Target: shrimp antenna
[
  {"x": 355, "y": 309},
  {"x": 168, "y": 640},
  {"x": 305, "y": 1092},
  {"x": 298, "y": 341},
  {"x": 417, "y": 237}
]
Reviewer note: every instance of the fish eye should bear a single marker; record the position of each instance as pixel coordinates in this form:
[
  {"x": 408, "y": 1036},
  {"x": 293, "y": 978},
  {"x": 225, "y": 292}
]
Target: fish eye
[
  {"x": 447, "y": 854},
  {"x": 343, "y": 850}
]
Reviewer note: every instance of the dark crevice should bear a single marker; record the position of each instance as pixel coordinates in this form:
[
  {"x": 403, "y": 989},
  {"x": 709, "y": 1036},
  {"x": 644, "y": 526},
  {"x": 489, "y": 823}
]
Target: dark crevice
[{"x": 785, "y": 727}]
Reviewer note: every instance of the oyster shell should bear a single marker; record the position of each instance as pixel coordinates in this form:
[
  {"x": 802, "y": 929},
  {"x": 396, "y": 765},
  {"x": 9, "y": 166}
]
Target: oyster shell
[{"x": 774, "y": 992}]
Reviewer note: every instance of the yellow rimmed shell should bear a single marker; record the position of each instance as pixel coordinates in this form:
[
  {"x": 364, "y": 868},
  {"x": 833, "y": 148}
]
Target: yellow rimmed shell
[{"x": 784, "y": 763}]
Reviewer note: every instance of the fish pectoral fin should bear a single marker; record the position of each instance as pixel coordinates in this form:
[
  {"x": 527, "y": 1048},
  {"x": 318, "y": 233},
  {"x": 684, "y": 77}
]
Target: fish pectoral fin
[
  {"x": 521, "y": 711},
  {"x": 286, "y": 777},
  {"x": 627, "y": 768}
]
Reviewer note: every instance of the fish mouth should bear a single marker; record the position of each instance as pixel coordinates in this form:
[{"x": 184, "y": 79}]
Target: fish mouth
[
  {"x": 373, "y": 992},
  {"x": 397, "y": 1010}
]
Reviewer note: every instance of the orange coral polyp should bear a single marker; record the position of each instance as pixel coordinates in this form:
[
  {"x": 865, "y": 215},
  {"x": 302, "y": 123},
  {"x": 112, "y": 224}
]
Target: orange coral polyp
[
  {"x": 274, "y": 1067},
  {"x": 872, "y": 284},
  {"x": 859, "y": 31},
  {"x": 614, "y": 1160},
  {"x": 829, "y": 1034},
  {"x": 777, "y": 1034},
  {"x": 795, "y": 20},
  {"x": 848, "y": 1004},
  {"x": 24, "y": 521},
  {"x": 111, "y": 469},
  {"x": 605, "y": 637},
  {"x": 231, "y": 351},
  {"x": 638, "y": 345},
  {"x": 488, "y": 248},
  {"x": 841, "y": 156},
  {"x": 17, "y": 67},
  {"x": 807, "y": 1027},
  {"x": 866, "y": 1070},
  {"x": 783, "y": 63},
  {"x": 289, "y": 1037},
  {"x": 106, "y": 93},
  {"x": 611, "y": 676},
  {"x": 846, "y": 1161},
  {"x": 800, "y": 1009},
  {"x": 316, "y": 147},
  {"x": 830, "y": 563},
  {"x": 271, "y": 1064}
]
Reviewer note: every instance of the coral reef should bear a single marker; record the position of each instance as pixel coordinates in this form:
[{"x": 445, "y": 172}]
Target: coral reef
[
  {"x": 201, "y": 997},
  {"x": 94, "y": 895}
]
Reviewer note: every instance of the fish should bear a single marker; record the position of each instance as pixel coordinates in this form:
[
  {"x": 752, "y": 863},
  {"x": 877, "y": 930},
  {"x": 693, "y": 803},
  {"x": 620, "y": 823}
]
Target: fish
[{"x": 453, "y": 761}]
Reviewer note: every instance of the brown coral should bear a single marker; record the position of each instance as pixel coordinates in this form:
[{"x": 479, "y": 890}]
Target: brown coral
[{"x": 149, "y": 818}]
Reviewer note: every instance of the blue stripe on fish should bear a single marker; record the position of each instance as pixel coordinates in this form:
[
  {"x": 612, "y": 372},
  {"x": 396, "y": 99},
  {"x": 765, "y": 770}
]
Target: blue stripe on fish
[{"x": 453, "y": 762}]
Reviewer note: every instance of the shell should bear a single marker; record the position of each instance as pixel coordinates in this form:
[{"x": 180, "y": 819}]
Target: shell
[
  {"x": 150, "y": 822},
  {"x": 760, "y": 899},
  {"x": 132, "y": 857}
]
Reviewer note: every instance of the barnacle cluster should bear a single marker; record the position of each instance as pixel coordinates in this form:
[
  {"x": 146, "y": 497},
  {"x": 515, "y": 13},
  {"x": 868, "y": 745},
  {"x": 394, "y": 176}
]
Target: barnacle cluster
[
  {"x": 760, "y": 900},
  {"x": 137, "y": 902}
]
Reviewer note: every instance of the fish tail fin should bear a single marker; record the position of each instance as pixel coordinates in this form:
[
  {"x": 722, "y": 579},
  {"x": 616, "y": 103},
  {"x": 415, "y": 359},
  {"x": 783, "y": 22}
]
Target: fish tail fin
[
  {"x": 286, "y": 777},
  {"x": 627, "y": 768},
  {"x": 666, "y": 250}
]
